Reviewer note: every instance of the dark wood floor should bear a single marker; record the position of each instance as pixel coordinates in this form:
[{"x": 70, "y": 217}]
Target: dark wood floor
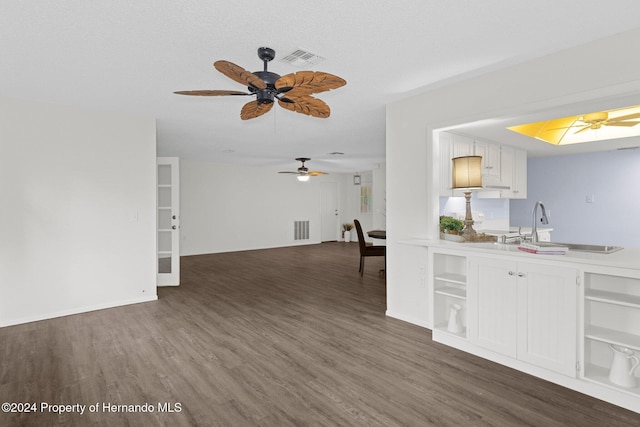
[{"x": 278, "y": 337}]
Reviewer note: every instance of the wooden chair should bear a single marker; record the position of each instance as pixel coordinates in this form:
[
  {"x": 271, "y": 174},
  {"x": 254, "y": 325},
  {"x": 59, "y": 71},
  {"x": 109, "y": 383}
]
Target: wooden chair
[{"x": 367, "y": 249}]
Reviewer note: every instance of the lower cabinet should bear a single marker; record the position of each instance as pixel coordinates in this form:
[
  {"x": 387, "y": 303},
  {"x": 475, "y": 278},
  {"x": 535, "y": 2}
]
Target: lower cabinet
[
  {"x": 575, "y": 324},
  {"x": 523, "y": 310}
]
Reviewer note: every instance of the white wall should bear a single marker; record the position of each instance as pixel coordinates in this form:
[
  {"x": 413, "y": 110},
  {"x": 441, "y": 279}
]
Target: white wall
[
  {"x": 563, "y": 183},
  {"x": 228, "y": 208},
  {"x": 568, "y": 77},
  {"x": 77, "y": 208}
]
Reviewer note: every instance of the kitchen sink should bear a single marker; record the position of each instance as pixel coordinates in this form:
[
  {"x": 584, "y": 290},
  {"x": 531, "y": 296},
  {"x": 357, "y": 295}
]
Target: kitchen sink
[{"x": 598, "y": 249}]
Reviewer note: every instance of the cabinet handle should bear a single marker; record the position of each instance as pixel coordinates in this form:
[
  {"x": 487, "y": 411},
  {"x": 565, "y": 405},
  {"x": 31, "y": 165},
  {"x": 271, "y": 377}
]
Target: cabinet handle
[
  {"x": 511, "y": 273},
  {"x": 522, "y": 275}
]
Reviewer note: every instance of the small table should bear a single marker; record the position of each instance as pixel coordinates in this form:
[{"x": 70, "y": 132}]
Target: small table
[{"x": 377, "y": 234}]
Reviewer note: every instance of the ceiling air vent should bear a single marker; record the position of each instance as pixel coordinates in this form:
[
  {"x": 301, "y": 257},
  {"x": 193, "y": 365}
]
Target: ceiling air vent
[{"x": 301, "y": 58}]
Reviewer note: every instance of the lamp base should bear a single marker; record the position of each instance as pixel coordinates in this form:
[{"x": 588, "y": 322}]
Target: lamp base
[{"x": 468, "y": 233}]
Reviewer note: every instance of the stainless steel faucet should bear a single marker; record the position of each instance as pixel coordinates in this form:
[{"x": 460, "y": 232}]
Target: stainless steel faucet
[{"x": 534, "y": 222}]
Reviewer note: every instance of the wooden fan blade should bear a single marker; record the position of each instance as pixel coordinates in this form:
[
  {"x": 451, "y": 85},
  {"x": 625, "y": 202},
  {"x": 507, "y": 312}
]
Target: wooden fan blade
[
  {"x": 316, "y": 173},
  {"x": 210, "y": 92},
  {"x": 289, "y": 172},
  {"x": 239, "y": 74},
  {"x": 307, "y": 105},
  {"x": 253, "y": 109},
  {"x": 307, "y": 82}
]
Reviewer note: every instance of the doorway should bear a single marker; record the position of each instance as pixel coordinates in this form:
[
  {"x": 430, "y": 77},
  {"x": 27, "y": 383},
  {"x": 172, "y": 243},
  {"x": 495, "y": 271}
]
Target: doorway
[{"x": 330, "y": 218}]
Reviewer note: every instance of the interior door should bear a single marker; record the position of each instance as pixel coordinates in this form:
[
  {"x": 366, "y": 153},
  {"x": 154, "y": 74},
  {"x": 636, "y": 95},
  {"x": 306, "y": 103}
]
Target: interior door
[
  {"x": 329, "y": 211},
  {"x": 168, "y": 222}
]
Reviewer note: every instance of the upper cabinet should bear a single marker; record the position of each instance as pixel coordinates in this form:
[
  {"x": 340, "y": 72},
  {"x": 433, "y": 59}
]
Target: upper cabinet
[{"x": 504, "y": 169}]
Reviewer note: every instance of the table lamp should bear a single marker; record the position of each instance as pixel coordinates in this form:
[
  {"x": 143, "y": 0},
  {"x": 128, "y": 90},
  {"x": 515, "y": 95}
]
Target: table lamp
[{"x": 467, "y": 176}]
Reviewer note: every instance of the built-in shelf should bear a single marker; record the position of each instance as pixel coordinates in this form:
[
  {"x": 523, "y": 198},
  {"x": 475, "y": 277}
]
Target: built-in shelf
[
  {"x": 443, "y": 328},
  {"x": 611, "y": 336},
  {"x": 600, "y": 375},
  {"x": 459, "y": 279},
  {"x": 450, "y": 291},
  {"x": 613, "y": 298}
]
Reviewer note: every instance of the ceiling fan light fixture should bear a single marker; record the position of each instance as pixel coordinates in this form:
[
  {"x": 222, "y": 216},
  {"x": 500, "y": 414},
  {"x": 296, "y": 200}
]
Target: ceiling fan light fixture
[
  {"x": 267, "y": 87},
  {"x": 303, "y": 178}
]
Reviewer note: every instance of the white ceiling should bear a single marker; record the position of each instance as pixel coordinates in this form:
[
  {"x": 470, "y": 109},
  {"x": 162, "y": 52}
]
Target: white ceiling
[{"x": 129, "y": 56}]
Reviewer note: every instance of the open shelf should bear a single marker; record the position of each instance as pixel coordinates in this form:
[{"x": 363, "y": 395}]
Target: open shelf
[
  {"x": 613, "y": 298},
  {"x": 451, "y": 291},
  {"x": 600, "y": 375},
  {"x": 459, "y": 279},
  {"x": 442, "y": 327},
  {"x": 611, "y": 336}
]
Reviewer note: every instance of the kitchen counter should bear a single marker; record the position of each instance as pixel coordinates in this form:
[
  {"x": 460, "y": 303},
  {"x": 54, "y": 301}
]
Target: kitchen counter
[{"x": 625, "y": 258}]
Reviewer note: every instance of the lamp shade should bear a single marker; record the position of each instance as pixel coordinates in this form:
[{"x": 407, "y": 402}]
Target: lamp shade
[{"x": 467, "y": 172}]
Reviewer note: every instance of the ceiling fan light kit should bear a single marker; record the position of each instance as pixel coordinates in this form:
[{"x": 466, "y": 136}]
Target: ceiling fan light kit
[
  {"x": 303, "y": 173},
  {"x": 292, "y": 91}
]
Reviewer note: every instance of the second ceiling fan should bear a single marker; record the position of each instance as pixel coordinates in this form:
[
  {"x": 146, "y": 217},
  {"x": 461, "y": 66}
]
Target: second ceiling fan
[
  {"x": 303, "y": 173},
  {"x": 292, "y": 91}
]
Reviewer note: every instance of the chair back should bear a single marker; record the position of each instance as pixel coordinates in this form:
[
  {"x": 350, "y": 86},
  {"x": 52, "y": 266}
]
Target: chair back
[{"x": 361, "y": 242}]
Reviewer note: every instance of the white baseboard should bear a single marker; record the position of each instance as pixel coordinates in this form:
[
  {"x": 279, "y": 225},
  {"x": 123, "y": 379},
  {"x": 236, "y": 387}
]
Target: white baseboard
[
  {"x": 408, "y": 319},
  {"x": 76, "y": 310}
]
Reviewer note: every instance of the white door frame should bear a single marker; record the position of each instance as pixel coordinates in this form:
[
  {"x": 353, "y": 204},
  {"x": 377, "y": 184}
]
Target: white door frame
[{"x": 168, "y": 222}]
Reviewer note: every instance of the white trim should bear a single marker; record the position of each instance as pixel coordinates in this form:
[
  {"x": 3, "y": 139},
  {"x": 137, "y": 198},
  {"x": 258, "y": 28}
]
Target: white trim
[{"x": 77, "y": 310}]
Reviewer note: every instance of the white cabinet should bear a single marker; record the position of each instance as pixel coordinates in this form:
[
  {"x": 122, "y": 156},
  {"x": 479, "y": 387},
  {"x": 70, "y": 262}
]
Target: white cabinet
[
  {"x": 525, "y": 311},
  {"x": 611, "y": 317},
  {"x": 492, "y": 305},
  {"x": 446, "y": 147},
  {"x": 514, "y": 164},
  {"x": 491, "y": 166},
  {"x": 504, "y": 169},
  {"x": 547, "y": 317}
]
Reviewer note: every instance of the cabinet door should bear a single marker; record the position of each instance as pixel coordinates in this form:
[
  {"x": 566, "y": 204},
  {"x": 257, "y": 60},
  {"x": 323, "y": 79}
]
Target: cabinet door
[
  {"x": 462, "y": 146},
  {"x": 547, "y": 320},
  {"x": 519, "y": 176},
  {"x": 446, "y": 142},
  {"x": 490, "y": 162},
  {"x": 492, "y": 303}
]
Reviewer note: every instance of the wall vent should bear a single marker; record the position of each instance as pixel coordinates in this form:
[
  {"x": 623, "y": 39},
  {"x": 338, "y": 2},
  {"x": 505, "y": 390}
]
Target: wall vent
[
  {"x": 301, "y": 58},
  {"x": 300, "y": 230}
]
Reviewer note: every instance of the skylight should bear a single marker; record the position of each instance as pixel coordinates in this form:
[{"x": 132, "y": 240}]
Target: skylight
[{"x": 596, "y": 126}]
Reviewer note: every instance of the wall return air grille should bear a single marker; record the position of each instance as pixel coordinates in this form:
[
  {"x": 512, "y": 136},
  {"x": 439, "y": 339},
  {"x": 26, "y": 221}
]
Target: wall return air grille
[{"x": 301, "y": 230}]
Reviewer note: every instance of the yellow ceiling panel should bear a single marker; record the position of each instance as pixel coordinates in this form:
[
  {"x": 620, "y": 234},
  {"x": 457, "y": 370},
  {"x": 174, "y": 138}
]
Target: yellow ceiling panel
[{"x": 596, "y": 126}]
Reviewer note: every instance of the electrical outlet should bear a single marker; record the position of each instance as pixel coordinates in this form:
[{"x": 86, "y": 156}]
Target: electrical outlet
[{"x": 591, "y": 198}]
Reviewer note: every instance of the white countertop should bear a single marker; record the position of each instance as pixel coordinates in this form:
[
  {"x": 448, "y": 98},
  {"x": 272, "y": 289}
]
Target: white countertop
[
  {"x": 625, "y": 258},
  {"x": 511, "y": 230}
]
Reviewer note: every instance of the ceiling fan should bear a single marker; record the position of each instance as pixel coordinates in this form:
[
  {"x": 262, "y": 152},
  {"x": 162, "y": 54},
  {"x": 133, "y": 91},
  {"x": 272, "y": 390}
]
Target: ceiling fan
[
  {"x": 293, "y": 91},
  {"x": 597, "y": 120},
  {"x": 303, "y": 172}
]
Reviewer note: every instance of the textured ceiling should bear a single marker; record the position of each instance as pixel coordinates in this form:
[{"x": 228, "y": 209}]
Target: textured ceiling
[{"x": 129, "y": 56}]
